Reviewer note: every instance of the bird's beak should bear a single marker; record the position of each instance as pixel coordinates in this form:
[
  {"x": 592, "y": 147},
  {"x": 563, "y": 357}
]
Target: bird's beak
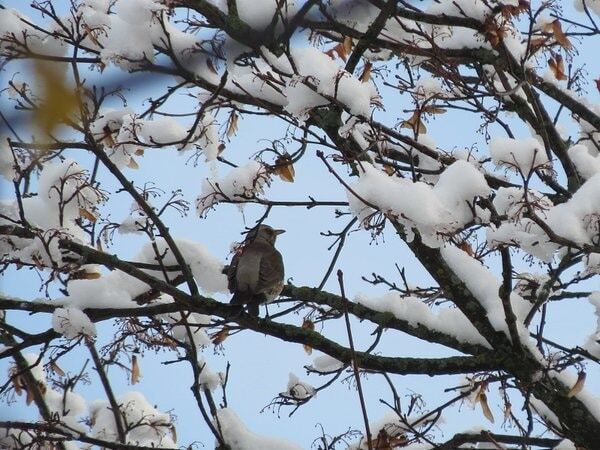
[{"x": 278, "y": 232}]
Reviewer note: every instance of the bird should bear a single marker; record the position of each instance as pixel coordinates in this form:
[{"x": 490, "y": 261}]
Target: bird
[{"x": 256, "y": 272}]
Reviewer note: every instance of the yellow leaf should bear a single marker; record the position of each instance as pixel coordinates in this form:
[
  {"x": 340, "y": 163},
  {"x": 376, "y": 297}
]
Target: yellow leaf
[
  {"x": 135, "y": 370},
  {"x": 285, "y": 168},
  {"x": 578, "y": 386},
  {"x": 58, "y": 100},
  {"x": 87, "y": 215}
]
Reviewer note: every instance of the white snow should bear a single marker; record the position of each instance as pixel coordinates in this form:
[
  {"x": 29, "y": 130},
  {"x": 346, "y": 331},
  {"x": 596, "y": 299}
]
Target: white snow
[
  {"x": 521, "y": 155},
  {"x": 72, "y": 323},
  {"x": 431, "y": 210},
  {"x": 152, "y": 427},
  {"x": 298, "y": 389},
  {"x": 241, "y": 183},
  {"x": 450, "y": 321},
  {"x": 239, "y": 437}
]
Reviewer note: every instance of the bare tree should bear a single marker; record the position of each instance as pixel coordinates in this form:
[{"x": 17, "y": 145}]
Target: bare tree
[{"x": 506, "y": 223}]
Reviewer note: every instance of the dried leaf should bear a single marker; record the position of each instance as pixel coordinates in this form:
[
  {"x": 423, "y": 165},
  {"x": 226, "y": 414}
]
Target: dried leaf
[
  {"x": 232, "y": 124},
  {"x": 557, "y": 67},
  {"x": 578, "y": 386},
  {"x": 432, "y": 109},
  {"x": 347, "y": 43},
  {"x": 139, "y": 151},
  {"x": 487, "y": 412},
  {"x": 598, "y": 84},
  {"x": 132, "y": 164},
  {"x": 308, "y": 324},
  {"x": 415, "y": 123},
  {"x": 16, "y": 381},
  {"x": 211, "y": 66},
  {"x": 493, "y": 32},
  {"x": 366, "y": 73},
  {"x": 135, "y": 370},
  {"x": 285, "y": 168},
  {"x": 57, "y": 370},
  {"x": 107, "y": 139},
  {"x": 30, "y": 397},
  {"x": 536, "y": 43},
  {"x": 560, "y": 36},
  {"x": 390, "y": 170},
  {"x": 220, "y": 337},
  {"x": 85, "y": 275},
  {"x": 466, "y": 247},
  {"x": 507, "y": 411},
  {"x": 87, "y": 215}
]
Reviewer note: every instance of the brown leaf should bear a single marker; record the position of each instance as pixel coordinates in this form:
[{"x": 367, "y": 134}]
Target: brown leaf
[
  {"x": 132, "y": 164},
  {"x": 578, "y": 386},
  {"x": 232, "y": 124},
  {"x": 560, "y": 36},
  {"x": 30, "y": 397},
  {"x": 557, "y": 67},
  {"x": 308, "y": 324},
  {"x": 139, "y": 151},
  {"x": 493, "y": 32},
  {"x": 390, "y": 170},
  {"x": 57, "y": 370},
  {"x": 415, "y": 123},
  {"x": 87, "y": 215},
  {"x": 211, "y": 66},
  {"x": 598, "y": 84},
  {"x": 366, "y": 73},
  {"x": 487, "y": 412},
  {"x": 432, "y": 109},
  {"x": 107, "y": 139},
  {"x": 347, "y": 43},
  {"x": 536, "y": 43},
  {"x": 220, "y": 337},
  {"x": 466, "y": 247},
  {"x": 507, "y": 411},
  {"x": 135, "y": 370},
  {"x": 85, "y": 275},
  {"x": 16, "y": 381},
  {"x": 285, "y": 168}
]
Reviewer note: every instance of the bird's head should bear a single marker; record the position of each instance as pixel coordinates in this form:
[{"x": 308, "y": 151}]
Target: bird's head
[{"x": 264, "y": 232}]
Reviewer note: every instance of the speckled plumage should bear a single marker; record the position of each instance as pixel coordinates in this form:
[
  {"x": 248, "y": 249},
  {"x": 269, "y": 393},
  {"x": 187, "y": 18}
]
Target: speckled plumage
[{"x": 256, "y": 273}]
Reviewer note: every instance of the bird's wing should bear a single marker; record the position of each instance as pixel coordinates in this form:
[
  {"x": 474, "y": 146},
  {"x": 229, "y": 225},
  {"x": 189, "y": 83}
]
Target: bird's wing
[
  {"x": 271, "y": 270},
  {"x": 231, "y": 273}
]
